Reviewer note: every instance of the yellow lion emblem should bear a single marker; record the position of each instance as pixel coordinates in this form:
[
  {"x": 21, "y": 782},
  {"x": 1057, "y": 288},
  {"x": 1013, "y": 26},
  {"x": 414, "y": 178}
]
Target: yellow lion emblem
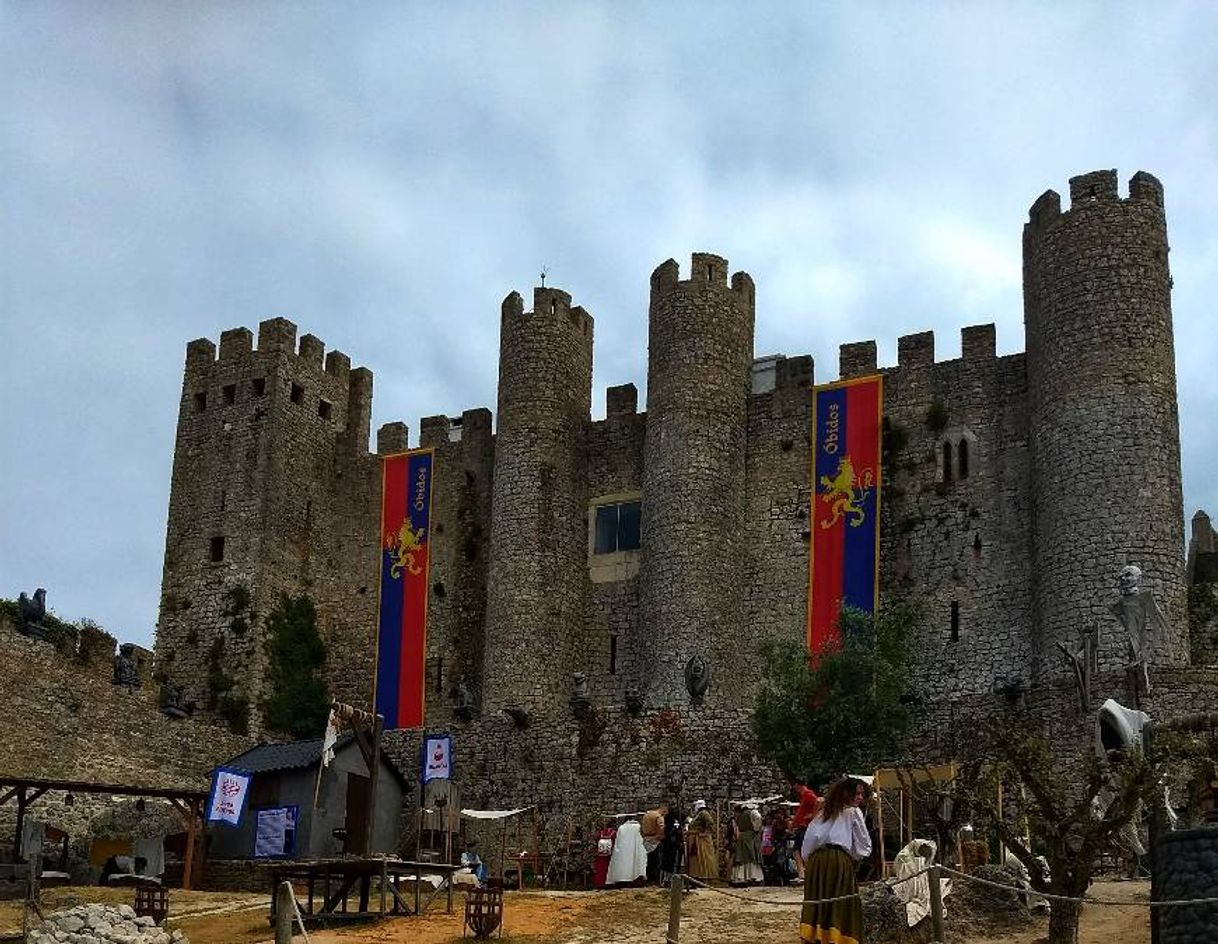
[
  {"x": 402, "y": 547},
  {"x": 846, "y": 493}
]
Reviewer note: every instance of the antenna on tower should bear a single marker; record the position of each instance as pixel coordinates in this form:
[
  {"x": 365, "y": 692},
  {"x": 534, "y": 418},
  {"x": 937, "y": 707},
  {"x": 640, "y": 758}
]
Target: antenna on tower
[{"x": 544, "y": 270}]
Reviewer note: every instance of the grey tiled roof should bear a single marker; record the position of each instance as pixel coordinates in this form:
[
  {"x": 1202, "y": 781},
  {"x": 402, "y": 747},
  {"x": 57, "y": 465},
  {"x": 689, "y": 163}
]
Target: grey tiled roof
[{"x": 291, "y": 755}]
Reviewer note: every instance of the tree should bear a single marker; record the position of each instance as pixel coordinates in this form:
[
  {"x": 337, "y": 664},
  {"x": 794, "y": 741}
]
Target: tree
[
  {"x": 848, "y": 711},
  {"x": 298, "y": 704},
  {"x": 1069, "y": 822}
]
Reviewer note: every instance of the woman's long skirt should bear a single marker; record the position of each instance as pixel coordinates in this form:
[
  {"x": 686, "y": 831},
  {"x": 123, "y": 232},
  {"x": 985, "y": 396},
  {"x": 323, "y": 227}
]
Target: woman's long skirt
[{"x": 830, "y": 874}]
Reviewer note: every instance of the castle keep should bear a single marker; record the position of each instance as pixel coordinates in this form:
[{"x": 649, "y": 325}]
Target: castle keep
[{"x": 1015, "y": 489}]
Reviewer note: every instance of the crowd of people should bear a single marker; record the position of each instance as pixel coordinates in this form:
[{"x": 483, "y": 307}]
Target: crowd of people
[{"x": 760, "y": 841}]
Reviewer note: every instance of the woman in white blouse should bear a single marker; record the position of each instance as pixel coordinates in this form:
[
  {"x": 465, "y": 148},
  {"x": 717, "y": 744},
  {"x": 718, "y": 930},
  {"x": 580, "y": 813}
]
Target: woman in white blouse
[{"x": 833, "y": 845}]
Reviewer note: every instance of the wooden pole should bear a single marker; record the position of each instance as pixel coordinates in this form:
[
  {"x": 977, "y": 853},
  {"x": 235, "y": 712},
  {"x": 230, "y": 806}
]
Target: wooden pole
[
  {"x": 674, "y": 910},
  {"x": 20, "y": 824},
  {"x": 879, "y": 826},
  {"x": 936, "y": 903},
  {"x": 191, "y": 815},
  {"x": 284, "y": 913}
]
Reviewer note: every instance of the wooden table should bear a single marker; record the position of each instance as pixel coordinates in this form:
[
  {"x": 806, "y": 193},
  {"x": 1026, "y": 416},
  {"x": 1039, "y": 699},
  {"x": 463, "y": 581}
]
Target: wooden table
[{"x": 342, "y": 874}]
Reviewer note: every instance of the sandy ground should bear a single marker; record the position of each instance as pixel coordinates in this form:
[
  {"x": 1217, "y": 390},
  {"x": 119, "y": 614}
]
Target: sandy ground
[{"x": 637, "y": 916}]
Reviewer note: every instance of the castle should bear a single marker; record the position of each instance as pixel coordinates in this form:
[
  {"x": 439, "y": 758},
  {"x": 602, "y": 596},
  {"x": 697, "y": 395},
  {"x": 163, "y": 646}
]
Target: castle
[{"x": 1015, "y": 489}]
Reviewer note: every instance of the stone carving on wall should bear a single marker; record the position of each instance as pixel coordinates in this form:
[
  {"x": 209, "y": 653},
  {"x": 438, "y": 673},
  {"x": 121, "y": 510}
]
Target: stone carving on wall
[
  {"x": 581, "y": 700},
  {"x": 31, "y": 613},
  {"x": 126, "y": 670},
  {"x": 173, "y": 701},
  {"x": 697, "y": 677},
  {"x": 464, "y": 708},
  {"x": 1138, "y": 612}
]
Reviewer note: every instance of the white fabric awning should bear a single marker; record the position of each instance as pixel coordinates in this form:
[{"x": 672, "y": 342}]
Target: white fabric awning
[
  {"x": 493, "y": 814},
  {"x": 757, "y": 801}
]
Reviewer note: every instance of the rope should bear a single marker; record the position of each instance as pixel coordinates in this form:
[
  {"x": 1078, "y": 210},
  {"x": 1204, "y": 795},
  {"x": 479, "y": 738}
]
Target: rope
[
  {"x": 1081, "y": 901},
  {"x": 802, "y": 902}
]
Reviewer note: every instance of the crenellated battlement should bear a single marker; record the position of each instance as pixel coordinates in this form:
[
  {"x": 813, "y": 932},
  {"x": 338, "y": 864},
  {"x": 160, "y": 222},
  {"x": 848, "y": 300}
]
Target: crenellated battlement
[
  {"x": 275, "y": 335},
  {"x": 706, "y": 269},
  {"x": 552, "y": 304},
  {"x": 914, "y": 351},
  {"x": 1095, "y": 187},
  {"x": 472, "y": 426}
]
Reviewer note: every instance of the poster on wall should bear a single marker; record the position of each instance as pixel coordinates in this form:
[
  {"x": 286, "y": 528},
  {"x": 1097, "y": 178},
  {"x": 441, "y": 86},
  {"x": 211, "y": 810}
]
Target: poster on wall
[
  {"x": 275, "y": 832},
  {"x": 405, "y": 557},
  {"x": 844, "y": 549},
  {"x": 227, "y": 797},
  {"x": 437, "y": 758}
]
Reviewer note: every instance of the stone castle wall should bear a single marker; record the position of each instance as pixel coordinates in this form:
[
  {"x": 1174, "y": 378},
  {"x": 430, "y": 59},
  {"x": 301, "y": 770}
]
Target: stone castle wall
[{"x": 1013, "y": 492}]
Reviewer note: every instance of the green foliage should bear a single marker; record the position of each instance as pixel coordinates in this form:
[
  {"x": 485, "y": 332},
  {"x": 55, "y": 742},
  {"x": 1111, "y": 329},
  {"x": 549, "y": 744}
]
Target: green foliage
[
  {"x": 232, "y": 706},
  {"x": 936, "y": 416},
  {"x": 63, "y": 635},
  {"x": 851, "y": 711},
  {"x": 299, "y": 703},
  {"x": 237, "y": 608}
]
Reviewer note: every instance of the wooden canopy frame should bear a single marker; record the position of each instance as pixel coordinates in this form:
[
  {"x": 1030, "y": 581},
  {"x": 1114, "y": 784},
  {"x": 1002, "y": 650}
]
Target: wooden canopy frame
[{"x": 26, "y": 790}]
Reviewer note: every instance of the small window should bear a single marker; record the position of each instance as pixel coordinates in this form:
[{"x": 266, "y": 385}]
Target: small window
[
  {"x": 947, "y": 462},
  {"x": 618, "y": 527},
  {"x": 955, "y": 621},
  {"x": 323, "y": 409},
  {"x": 230, "y": 394},
  {"x": 962, "y": 459},
  {"x": 200, "y": 401},
  {"x": 297, "y": 393},
  {"x": 217, "y": 550},
  {"x": 259, "y": 384},
  {"x": 223, "y": 499},
  {"x": 613, "y": 655}
]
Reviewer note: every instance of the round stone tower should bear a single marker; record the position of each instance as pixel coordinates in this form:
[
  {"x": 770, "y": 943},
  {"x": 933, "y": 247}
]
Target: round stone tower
[
  {"x": 1105, "y": 438},
  {"x": 700, "y": 350},
  {"x": 538, "y": 563}
]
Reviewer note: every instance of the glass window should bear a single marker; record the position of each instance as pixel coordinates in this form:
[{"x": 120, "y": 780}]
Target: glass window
[{"x": 617, "y": 527}]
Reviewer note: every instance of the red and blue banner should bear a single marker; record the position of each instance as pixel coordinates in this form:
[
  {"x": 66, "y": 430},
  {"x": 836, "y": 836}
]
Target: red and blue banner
[
  {"x": 401, "y": 649},
  {"x": 844, "y": 549}
]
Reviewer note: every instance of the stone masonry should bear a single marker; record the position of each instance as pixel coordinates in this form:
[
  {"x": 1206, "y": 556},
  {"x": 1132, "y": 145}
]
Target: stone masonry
[{"x": 1015, "y": 488}]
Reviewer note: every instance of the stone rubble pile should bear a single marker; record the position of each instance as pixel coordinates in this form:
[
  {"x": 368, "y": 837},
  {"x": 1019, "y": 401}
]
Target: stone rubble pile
[{"x": 103, "y": 924}]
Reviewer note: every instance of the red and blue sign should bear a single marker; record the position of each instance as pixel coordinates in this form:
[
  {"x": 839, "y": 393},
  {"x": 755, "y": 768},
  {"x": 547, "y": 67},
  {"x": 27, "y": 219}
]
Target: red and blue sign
[
  {"x": 401, "y": 650},
  {"x": 844, "y": 549}
]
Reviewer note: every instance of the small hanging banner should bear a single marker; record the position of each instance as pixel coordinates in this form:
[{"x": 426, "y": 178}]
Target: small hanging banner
[
  {"x": 844, "y": 549},
  {"x": 227, "y": 797},
  {"x": 438, "y": 758},
  {"x": 405, "y": 556}
]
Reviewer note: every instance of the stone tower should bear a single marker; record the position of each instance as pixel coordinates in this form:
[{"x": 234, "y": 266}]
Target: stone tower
[
  {"x": 538, "y": 566},
  {"x": 1105, "y": 436},
  {"x": 273, "y": 491},
  {"x": 700, "y": 350}
]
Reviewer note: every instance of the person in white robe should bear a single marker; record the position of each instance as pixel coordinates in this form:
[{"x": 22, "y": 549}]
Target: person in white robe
[{"x": 629, "y": 860}]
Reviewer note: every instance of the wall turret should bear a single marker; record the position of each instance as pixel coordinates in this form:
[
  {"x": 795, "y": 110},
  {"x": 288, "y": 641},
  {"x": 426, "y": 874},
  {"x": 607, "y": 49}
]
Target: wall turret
[
  {"x": 699, "y": 379},
  {"x": 538, "y": 529},
  {"x": 1104, "y": 427}
]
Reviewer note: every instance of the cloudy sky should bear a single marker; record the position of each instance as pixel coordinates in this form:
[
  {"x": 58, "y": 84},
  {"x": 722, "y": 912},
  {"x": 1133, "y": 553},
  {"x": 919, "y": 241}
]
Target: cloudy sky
[{"x": 383, "y": 174}]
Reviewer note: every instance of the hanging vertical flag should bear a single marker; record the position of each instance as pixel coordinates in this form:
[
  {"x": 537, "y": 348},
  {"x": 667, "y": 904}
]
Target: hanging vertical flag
[
  {"x": 402, "y": 621},
  {"x": 844, "y": 549}
]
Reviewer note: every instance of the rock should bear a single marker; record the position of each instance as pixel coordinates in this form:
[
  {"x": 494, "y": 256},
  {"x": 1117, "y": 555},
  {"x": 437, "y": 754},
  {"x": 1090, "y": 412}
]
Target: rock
[
  {"x": 127, "y": 912},
  {"x": 71, "y": 923},
  {"x": 145, "y": 921},
  {"x": 176, "y": 936}
]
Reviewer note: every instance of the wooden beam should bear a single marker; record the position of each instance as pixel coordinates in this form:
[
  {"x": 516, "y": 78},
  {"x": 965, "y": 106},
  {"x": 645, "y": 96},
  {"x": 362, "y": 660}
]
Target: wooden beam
[
  {"x": 190, "y": 845},
  {"x": 8, "y": 796}
]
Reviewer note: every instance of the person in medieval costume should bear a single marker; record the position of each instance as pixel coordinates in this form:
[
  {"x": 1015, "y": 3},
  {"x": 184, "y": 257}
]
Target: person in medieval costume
[
  {"x": 604, "y": 850},
  {"x": 833, "y": 845},
  {"x": 746, "y": 868},
  {"x": 701, "y": 833},
  {"x": 673, "y": 844},
  {"x": 652, "y": 828},
  {"x": 629, "y": 860}
]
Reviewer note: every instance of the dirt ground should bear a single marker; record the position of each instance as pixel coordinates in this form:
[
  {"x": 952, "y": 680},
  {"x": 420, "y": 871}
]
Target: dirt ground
[{"x": 636, "y": 916}]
